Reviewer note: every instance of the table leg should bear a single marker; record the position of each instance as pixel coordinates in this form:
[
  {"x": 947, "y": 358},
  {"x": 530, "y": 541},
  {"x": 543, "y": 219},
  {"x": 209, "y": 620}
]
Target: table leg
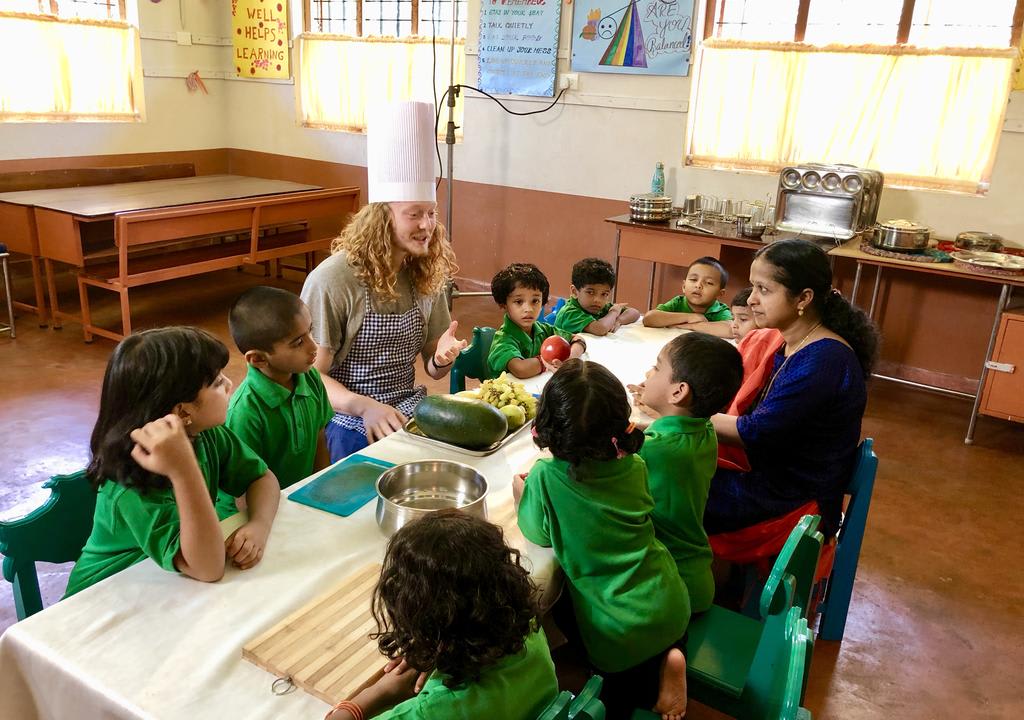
[
  {"x": 51, "y": 285},
  {"x": 1004, "y": 299},
  {"x": 874, "y": 292},
  {"x": 856, "y": 284},
  {"x": 650, "y": 295},
  {"x": 618, "y": 237}
]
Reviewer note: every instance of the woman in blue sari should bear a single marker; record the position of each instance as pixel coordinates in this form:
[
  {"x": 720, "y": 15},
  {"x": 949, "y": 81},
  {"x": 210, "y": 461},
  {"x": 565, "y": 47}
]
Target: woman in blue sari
[{"x": 801, "y": 435}]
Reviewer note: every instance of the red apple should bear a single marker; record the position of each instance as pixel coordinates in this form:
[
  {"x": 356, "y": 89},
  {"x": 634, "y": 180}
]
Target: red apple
[{"x": 554, "y": 348}]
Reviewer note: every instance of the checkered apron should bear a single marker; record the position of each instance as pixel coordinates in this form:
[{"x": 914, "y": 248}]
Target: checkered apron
[{"x": 381, "y": 362}]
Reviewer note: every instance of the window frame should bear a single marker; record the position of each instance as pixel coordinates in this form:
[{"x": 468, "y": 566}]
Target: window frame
[
  {"x": 307, "y": 20},
  {"x": 902, "y": 33},
  {"x": 54, "y": 10}
]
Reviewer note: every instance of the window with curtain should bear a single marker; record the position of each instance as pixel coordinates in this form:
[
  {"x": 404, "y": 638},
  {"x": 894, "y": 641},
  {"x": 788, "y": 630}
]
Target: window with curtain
[
  {"x": 916, "y": 89},
  {"x": 355, "y": 52},
  {"x": 69, "y": 60}
]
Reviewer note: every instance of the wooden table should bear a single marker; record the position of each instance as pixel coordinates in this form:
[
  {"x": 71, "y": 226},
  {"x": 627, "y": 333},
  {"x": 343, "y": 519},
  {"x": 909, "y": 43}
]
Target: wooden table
[
  {"x": 851, "y": 249},
  {"x": 664, "y": 242},
  {"x": 65, "y": 224}
]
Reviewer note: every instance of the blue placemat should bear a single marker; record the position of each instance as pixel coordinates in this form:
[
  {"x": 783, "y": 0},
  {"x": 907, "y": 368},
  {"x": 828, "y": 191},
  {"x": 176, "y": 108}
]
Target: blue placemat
[{"x": 345, "y": 487}]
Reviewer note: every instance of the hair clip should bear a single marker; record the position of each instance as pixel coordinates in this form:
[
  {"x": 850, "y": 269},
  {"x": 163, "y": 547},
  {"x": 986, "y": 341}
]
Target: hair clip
[{"x": 630, "y": 428}]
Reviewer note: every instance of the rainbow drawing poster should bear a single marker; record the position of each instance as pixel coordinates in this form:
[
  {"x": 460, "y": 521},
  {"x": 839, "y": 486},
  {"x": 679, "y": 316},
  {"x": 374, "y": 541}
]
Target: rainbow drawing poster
[{"x": 648, "y": 37}]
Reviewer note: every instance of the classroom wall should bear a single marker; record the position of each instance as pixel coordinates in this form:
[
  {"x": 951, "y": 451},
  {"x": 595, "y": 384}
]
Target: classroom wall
[{"x": 534, "y": 188}]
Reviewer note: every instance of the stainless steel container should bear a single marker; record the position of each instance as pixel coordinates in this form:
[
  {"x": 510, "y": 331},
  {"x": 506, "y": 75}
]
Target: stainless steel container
[
  {"x": 978, "y": 240},
  {"x": 414, "y": 489},
  {"x": 650, "y": 207},
  {"x": 830, "y": 201},
  {"x": 901, "y": 236}
]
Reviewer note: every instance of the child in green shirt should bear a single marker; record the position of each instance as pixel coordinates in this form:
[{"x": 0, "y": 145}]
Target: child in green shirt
[
  {"x": 699, "y": 307},
  {"x": 456, "y": 613},
  {"x": 521, "y": 290},
  {"x": 590, "y": 308},
  {"x": 694, "y": 377},
  {"x": 281, "y": 408},
  {"x": 590, "y": 503},
  {"x": 161, "y": 453}
]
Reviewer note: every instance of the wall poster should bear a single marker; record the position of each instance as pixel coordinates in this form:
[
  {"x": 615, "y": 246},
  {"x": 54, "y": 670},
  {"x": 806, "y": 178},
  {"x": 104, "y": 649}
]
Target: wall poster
[
  {"x": 519, "y": 46},
  {"x": 259, "y": 34},
  {"x": 648, "y": 37}
]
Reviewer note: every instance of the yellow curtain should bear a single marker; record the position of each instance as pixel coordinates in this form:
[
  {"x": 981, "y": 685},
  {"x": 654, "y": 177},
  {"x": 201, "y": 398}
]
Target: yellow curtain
[
  {"x": 69, "y": 70},
  {"x": 927, "y": 119},
  {"x": 339, "y": 76}
]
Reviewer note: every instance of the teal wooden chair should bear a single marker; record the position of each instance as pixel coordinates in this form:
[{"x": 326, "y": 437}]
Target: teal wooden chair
[
  {"x": 775, "y": 680},
  {"x": 587, "y": 705},
  {"x": 472, "y": 361},
  {"x": 839, "y": 586},
  {"x": 55, "y": 532},
  {"x": 723, "y": 646},
  {"x": 558, "y": 709},
  {"x": 550, "y": 317}
]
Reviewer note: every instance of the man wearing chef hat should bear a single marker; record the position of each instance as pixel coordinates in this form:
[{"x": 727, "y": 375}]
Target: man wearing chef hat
[{"x": 378, "y": 301}]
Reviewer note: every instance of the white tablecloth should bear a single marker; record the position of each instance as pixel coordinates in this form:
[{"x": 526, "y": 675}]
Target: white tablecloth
[{"x": 147, "y": 643}]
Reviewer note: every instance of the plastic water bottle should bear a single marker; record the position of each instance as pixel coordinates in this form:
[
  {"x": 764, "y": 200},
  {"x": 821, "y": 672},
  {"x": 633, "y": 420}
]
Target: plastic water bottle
[{"x": 658, "y": 181}]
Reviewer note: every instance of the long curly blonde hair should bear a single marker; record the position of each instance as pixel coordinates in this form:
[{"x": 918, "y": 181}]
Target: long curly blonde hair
[{"x": 367, "y": 240}]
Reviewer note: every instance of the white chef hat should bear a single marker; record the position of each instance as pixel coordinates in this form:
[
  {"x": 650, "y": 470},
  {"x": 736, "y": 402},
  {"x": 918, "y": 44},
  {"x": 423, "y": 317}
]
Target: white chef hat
[{"x": 400, "y": 151}]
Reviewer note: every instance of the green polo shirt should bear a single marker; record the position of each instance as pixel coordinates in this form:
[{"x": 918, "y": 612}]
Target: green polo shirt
[
  {"x": 629, "y": 600},
  {"x": 718, "y": 310},
  {"x": 510, "y": 342},
  {"x": 681, "y": 455},
  {"x": 281, "y": 425},
  {"x": 517, "y": 686},
  {"x": 129, "y": 526},
  {"x": 573, "y": 318}
]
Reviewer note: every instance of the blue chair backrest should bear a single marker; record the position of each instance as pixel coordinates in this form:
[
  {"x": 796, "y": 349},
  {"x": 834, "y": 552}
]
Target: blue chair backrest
[
  {"x": 472, "y": 361},
  {"x": 550, "y": 317}
]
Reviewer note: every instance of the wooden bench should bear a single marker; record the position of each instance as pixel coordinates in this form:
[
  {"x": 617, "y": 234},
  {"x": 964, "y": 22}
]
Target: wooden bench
[
  {"x": 18, "y": 223},
  {"x": 247, "y": 221}
]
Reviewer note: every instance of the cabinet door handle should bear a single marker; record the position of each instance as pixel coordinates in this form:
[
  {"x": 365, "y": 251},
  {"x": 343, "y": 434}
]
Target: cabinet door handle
[{"x": 1000, "y": 367}]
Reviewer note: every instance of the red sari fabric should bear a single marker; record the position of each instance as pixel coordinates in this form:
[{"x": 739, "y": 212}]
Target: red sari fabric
[{"x": 758, "y": 350}]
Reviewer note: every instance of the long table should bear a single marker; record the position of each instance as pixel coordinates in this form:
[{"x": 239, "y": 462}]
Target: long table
[
  {"x": 60, "y": 225},
  {"x": 146, "y": 643}
]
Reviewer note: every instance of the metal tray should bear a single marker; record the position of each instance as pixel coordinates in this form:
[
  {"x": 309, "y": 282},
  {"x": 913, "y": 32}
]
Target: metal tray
[{"x": 416, "y": 434}]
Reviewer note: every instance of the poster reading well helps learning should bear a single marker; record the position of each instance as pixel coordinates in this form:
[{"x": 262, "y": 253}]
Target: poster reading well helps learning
[
  {"x": 647, "y": 37},
  {"x": 259, "y": 31},
  {"x": 519, "y": 46}
]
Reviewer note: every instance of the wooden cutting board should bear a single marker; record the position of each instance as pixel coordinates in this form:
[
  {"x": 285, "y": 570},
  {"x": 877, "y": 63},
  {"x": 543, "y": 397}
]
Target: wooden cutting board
[{"x": 324, "y": 647}]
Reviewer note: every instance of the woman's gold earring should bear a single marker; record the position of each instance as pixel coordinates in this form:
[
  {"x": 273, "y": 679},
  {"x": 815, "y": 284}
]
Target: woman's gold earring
[
  {"x": 188, "y": 420},
  {"x": 800, "y": 312}
]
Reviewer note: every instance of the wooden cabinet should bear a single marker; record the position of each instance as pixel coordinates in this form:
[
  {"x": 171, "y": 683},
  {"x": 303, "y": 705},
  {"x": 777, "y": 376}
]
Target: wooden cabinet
[{"x": 1003, "y": 394}]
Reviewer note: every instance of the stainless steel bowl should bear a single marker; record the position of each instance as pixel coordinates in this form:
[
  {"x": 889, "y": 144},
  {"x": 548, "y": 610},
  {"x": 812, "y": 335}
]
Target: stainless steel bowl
[
  {"x": 910, "y": 237},
  {"x": 753, "y": 230},
  {"x": 978, "y": 240},
  {"x": 414, "y": 489}
]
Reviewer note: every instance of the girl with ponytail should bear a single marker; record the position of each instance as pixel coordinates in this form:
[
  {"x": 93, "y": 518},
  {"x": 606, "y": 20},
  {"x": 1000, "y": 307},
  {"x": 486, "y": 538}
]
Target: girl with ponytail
[
  {"x": 801, "y": 434},
  {"x": 627, "y": 605}
]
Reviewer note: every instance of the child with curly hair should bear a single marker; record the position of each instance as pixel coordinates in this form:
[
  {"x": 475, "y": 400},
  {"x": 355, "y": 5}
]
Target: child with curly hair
[
  {"x": 454, "y": 603},
  {"x": 591, "y": 504}
]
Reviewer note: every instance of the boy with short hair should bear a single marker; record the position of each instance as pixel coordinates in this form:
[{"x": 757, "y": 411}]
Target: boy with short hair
[
  {"x": 742, "y": 317},
  {"x": 521, "y": 290},
  {"x": 589, "y": 309},
  {"x": 699, "y": 307},
  {"x": 695, "y": 376},
  {"x": 281, "y": 408}
]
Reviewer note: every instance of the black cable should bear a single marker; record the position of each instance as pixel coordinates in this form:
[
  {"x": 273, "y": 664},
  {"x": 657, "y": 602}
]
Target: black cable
[{"x": 513, "y": 112}]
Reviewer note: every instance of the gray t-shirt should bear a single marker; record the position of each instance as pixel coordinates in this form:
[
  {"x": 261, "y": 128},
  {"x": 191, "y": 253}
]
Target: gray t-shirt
[{"x": 337, "y": 303}]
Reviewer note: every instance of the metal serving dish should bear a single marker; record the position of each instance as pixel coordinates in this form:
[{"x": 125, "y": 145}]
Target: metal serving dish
[
  {"x": 901, "y": 236},
  {"x": 978, "y": 240},
  {"x": 650, "y": 207},
  {"x": 416, "y": 434},
  {"x": 411, "y": 490}
]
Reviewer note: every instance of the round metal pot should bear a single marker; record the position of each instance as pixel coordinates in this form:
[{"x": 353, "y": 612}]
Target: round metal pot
[
  {"x": 979, "y": 241},
  {"x": 912, "y": 238},
  {"x": 411, "y": 490},
  {"x": 650, "y": 207}
]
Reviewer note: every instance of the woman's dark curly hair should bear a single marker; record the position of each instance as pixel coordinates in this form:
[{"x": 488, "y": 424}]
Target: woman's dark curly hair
[
  {"x": 452, "y": 597},
  {"x": 149, "y": 373},
  {"x": 801, "y": 265},
  {"x": 584, "y": 415}
]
